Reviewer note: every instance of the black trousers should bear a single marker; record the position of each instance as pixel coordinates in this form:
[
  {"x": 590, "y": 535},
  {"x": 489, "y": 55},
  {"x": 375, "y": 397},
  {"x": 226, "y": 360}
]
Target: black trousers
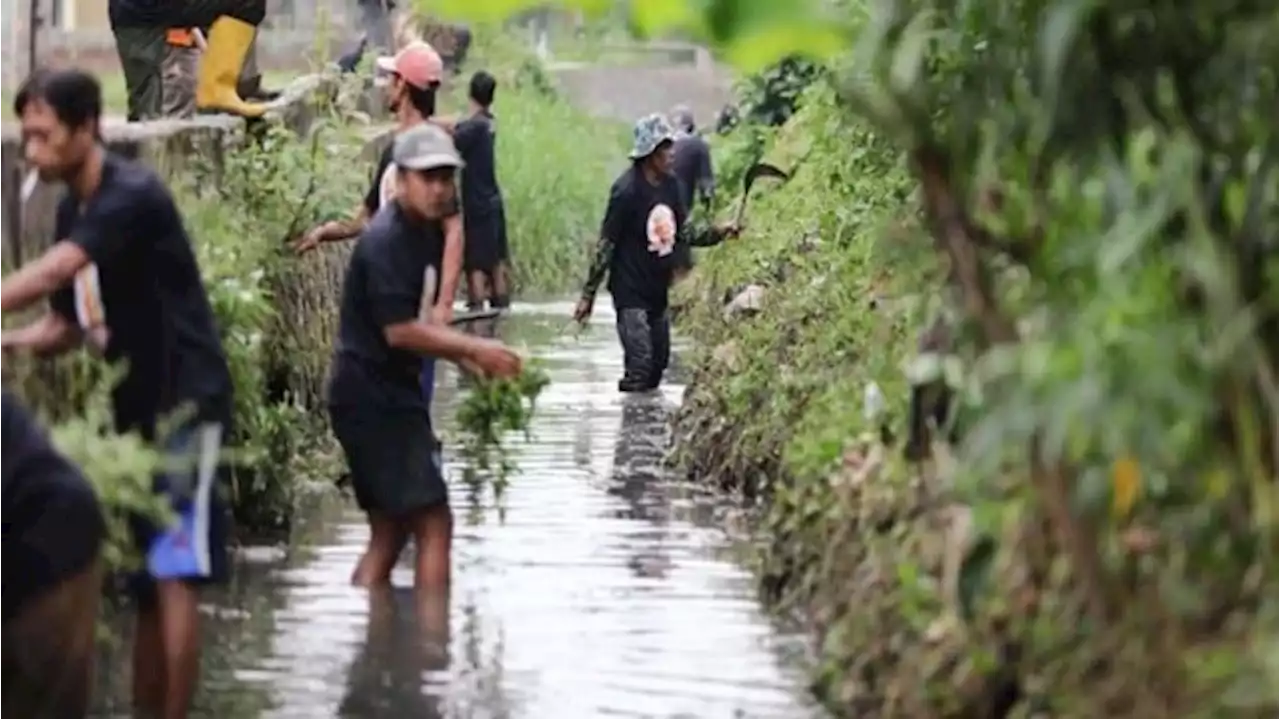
[
  {"x": 189, "y": 13},
  {"x": 645, "y": 335}
]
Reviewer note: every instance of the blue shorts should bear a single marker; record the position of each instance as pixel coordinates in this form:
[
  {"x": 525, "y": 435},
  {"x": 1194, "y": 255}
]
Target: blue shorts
[{"x": 193, "y": 547}]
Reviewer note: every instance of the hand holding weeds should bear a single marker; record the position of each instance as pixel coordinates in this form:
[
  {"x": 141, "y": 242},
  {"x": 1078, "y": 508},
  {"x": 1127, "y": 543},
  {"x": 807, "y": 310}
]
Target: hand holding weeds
[{"x": 493, "y": 407}]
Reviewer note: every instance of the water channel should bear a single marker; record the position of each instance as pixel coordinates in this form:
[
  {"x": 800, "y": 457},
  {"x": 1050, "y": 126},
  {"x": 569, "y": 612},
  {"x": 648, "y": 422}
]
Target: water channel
[{"x": 603, "y": 590}]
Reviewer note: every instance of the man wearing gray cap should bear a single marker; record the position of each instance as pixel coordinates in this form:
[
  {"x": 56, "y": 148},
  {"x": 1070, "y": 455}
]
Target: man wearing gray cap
[{"x": 378, "y": 411}]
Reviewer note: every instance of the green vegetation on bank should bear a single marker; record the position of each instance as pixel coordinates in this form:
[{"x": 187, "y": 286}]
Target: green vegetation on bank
[
  {"x": 555, "y": 165},
  {"x": 1087, "y": 193}
]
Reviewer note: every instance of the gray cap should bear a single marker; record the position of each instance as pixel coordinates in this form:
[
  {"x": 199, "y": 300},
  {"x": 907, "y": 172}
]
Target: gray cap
[{"x": 425, "y": 147}]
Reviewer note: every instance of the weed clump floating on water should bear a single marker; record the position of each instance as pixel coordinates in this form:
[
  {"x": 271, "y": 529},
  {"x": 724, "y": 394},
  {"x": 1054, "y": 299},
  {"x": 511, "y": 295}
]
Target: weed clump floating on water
[{"x": 492, "y": 408}]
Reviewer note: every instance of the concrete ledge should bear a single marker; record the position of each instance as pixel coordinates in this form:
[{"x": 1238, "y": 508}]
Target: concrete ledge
[{"x": 172, "y": 146}]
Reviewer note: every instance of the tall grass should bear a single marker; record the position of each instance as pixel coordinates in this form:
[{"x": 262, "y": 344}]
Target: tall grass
[{"x": 555, "y": 164}]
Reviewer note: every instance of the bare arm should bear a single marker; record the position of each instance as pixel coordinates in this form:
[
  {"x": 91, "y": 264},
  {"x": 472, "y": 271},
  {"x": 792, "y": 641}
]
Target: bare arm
[
  {"x": 449, "y": 124},
  {"x": 425, "y": 338},
  {"x": 339, "y": 230},
  {"x": 451, "y": 268},
  {"x": 40, "y": 278},
  {"x": 50, "y": 335}
]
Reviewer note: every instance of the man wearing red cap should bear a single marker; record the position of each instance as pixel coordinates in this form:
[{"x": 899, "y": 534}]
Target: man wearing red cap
[{"x": 412, "y": 78}]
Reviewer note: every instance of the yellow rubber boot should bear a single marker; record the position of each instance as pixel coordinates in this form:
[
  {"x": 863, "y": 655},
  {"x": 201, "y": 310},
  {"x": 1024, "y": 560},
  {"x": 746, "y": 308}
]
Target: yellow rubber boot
[{"x": 225, "y": 50}]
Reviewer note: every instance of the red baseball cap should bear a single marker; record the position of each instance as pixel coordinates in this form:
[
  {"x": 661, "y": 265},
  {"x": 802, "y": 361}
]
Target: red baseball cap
[{"x": 418, "y": 63}]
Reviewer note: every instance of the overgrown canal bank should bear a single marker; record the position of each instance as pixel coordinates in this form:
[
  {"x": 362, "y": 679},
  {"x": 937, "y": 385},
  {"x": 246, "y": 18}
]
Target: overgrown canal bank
[{"x": 607, "y": 589}]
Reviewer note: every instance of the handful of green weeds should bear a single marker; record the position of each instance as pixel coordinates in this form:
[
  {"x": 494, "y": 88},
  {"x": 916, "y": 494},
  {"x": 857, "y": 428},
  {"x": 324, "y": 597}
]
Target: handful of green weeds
[{"x": 493, "y": 408}]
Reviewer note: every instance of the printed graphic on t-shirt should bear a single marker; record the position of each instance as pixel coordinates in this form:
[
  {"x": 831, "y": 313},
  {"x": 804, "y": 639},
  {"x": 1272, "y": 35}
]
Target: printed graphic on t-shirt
[
  {"x": 90, "y": 312},
  {"x": 661, "y": 229},
  {"x": 429, "y": 282},
  {"x": 387, "y": 185}
]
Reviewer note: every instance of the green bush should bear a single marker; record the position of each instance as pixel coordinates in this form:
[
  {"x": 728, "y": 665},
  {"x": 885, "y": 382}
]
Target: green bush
[{"x": 1090, "y": 191}]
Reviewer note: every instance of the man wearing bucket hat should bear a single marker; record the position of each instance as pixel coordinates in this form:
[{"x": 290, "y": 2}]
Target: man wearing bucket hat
[
  {"x": 644, "y": 240},
  {"x": 412, "y": 78},
  {"x": 377, "y": 410}
]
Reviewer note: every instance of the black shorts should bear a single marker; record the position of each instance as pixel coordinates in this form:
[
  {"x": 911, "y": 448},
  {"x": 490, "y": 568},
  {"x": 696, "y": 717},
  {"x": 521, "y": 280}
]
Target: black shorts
[
  {"x": 485, "y": 244},
  {"x": 394, "y": 459},
  {"x": 193, "y": 547}
]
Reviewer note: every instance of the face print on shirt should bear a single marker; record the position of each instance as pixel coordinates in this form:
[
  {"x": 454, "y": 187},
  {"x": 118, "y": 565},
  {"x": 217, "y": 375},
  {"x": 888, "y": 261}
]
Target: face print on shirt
[{"x": 661, "y": 229}]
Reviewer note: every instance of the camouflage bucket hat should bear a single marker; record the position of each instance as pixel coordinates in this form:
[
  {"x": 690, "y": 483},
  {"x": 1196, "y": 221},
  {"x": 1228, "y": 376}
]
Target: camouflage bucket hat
[{"x": 651, "y": 131}]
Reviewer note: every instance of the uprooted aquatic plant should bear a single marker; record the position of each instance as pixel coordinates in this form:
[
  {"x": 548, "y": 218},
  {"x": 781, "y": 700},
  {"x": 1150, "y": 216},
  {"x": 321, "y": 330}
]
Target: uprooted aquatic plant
[{"x": 491, "y": 409}]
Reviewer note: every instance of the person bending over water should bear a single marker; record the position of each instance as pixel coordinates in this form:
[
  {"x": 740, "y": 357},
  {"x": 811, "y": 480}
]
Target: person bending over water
[
  {"x": 122, "y": 278},
  {"x": 376, "y": 407}
]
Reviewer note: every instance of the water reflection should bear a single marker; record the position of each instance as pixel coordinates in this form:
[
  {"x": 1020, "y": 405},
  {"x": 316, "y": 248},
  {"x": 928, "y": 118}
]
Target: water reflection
[
  {"x": 406, "y": 642},
  {"x": 602, "y": 593},
  {"x": 637, "y": 478}
]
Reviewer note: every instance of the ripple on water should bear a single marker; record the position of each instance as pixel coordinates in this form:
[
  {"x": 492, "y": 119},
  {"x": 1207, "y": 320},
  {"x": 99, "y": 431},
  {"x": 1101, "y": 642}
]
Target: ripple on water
[{"x": 596, "y": 597}]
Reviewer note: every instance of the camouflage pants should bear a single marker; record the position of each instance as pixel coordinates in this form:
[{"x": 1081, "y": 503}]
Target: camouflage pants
[
  {"x": 178, "y": 80},
  {"x": 143, "y": 48},
  {"x": 160, "y": 79}
]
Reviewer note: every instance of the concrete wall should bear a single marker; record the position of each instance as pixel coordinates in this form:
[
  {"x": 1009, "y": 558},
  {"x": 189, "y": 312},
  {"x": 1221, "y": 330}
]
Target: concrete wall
[{"x": 168, "y": 145}]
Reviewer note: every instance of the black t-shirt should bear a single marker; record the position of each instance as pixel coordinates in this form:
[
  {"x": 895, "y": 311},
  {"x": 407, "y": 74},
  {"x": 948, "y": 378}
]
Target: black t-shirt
[
  {"x": 474, "y": 138},
  {"x": 642, "y": 220},
  {"x": 136, "y": 13},
  {"x": 53, "y": 527},
  {"x": 691, "y": 164},
  {"x": 141, "y": 298},
  {"x": 393, "y": 277}
]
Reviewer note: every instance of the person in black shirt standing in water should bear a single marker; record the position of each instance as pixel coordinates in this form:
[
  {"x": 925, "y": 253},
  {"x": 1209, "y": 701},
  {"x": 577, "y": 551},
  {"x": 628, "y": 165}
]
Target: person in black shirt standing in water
[
  {"x": 644, "y": 241},
  {"x": 413, "y": 77},
  {"x": 379, "y": 414},
  {"x": 123, "y": 279},
  {"x": 53, "y": 532},
  {"x": 486, "y": 254}
]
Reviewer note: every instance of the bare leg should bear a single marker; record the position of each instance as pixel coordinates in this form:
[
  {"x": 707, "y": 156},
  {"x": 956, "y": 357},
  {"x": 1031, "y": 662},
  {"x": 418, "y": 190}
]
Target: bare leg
[
  {"x": 386, "y": 541},
  {"x": 179, "y": 614},
  {"x": 477, "y": 289},
  {"x": 148, "y": 663},
  {"x": 501, "y": 285},
  {"x": 433, "y": 535}
]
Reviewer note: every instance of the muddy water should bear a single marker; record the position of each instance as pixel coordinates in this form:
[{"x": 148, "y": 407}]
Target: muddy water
[{"x": 598, "y": 588}]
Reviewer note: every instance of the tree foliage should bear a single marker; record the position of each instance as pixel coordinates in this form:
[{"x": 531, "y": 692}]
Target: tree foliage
[{"x": 1097, "y": 182}]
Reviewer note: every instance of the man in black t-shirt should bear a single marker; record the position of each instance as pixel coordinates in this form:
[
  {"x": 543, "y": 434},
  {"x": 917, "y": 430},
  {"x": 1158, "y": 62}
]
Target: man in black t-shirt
[
  {"x": 379, "y": 414},
  {"x": 53, "y": 532},
  {"x": 413, "y": 78},
  {"x": 484, "y": 220},
  {"x": 644, "y": 240},
  {"x": 123, "y": 279}
]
